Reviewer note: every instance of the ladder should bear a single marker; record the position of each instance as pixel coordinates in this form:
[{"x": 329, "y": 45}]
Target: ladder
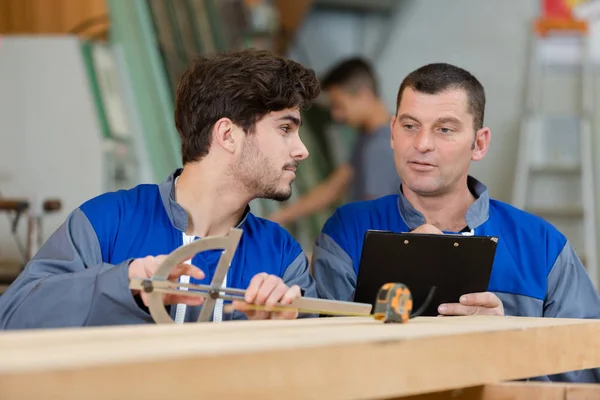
[{"x": 554, "y": 171}]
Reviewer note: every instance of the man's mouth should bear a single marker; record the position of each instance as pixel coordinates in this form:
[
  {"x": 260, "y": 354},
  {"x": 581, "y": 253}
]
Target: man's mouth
[
  {"x": 421, "y": 166},
  {"x": 291, "y": 167},
  {"x": 423, "y": 163}
]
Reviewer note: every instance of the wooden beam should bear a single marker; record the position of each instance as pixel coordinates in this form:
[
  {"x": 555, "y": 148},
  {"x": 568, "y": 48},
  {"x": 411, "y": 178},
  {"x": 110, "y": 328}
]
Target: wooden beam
[
  {"x": 517, "y": 391},
  {"x": 31, "y": 17},
  {"x": 311, "y": 358}
]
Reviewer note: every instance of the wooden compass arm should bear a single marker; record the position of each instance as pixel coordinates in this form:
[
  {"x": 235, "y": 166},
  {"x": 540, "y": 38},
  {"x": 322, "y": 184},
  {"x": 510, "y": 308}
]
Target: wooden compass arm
[{"x": 307, "y": 304}]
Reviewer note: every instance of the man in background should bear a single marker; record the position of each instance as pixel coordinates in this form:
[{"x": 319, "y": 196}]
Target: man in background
[{"x": 351, "y": 88}]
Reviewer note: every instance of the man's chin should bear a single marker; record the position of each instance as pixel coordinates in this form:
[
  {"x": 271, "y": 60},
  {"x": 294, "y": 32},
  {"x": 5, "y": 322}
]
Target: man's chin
[
  {"x": 282, "y": 195},
  {"x": 425, "y": 190}
]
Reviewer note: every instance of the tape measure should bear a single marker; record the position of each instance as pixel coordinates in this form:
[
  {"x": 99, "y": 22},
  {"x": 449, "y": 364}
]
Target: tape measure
[{"x": 394, "y": 304}]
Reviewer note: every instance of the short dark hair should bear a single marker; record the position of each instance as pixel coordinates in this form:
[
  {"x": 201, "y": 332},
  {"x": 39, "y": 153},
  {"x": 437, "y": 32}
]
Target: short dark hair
[
  {"x": 244, "y": 86},
  {"x": 438, "y": 77},
  {"x": 351, "y": 74}
]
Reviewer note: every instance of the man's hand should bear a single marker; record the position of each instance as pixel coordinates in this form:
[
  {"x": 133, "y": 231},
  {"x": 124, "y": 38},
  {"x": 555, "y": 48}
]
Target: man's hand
[
  {"x": 146, "y": 268},
  {"x": 427, "y": 228},
  {"x": 267, "y": 290},
  {"x": 485, "y": 303}
]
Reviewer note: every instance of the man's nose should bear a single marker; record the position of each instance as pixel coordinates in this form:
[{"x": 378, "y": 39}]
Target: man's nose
[
  {"x": 299, "y": 152},
  {"x": 424, "y": 141}
]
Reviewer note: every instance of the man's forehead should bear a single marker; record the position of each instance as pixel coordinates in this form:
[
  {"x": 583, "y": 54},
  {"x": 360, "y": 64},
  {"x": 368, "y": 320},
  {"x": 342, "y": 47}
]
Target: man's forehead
[
  {"x": 286, "y": 115},
  {"x": 451, "y": 100},
  {"x": 287, "y": 111}
]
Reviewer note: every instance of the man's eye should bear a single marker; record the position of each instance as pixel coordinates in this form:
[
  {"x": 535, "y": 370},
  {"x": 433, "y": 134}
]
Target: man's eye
[{"x": 285, "y": 128}]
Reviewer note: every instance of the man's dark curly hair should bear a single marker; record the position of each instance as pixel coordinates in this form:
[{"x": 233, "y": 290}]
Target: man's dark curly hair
[{"x": 243, "y": 86}]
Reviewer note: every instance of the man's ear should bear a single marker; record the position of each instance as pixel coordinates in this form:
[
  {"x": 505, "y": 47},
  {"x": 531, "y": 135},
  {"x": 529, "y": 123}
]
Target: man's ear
[
  {"x": 223, "y": 135},
  {"x": 481, "y": 143}
]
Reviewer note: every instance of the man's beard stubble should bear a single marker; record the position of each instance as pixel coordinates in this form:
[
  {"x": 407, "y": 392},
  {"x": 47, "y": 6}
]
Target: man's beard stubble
[{"x": 259, "y": 176}]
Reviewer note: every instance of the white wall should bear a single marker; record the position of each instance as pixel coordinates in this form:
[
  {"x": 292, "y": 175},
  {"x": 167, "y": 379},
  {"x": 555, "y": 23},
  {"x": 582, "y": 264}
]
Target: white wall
[{"x": 50, "y": 140}]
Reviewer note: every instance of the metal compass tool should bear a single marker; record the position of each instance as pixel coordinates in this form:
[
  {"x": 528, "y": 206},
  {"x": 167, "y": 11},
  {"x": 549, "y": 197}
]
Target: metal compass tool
[{"x": 159, "y": 284}]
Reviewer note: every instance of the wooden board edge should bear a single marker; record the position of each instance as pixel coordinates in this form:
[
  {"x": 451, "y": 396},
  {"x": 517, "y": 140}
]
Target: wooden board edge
[{"x": 517, "y": 391}]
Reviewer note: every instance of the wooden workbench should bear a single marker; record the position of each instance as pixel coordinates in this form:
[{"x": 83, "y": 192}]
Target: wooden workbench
[{"x": 326, "y": 358}]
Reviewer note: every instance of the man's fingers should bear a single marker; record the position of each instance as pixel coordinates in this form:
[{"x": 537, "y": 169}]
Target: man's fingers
[
  {"x": 276, "y": 295},
  {"x": 249, "y": 311},
  {"x": 175, "y": 299},
  {"x": 193, "y": 271},
  {"x": 289, "y": 296},
  {"x": 269, "y": 284},
  {"x": 253, "y": 287},
  {"x": 261, "y": 315},
  {"x": 482, "y": 303},
  {"x": 186, "y": 269},
  {"x": 144, "y": 297},
  {"x": 456, "y": 309},
  {"x": 461, "y": 309},
  {"x": 240, "y": 305},
  {"x": 188, "y": 300},
  {"x": 292, "y": 314},
  {"x": 244, "y": 307},
  {"x": 483, "y": 299}
]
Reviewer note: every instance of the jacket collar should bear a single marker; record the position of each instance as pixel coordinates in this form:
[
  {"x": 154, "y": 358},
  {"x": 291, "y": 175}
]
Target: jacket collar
[
  {"x": 177, "y": 215},
  {"x": 477, "y": 214}
]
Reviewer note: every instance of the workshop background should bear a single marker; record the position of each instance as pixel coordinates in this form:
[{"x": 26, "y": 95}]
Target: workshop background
[{"x": 86, "y": 96}]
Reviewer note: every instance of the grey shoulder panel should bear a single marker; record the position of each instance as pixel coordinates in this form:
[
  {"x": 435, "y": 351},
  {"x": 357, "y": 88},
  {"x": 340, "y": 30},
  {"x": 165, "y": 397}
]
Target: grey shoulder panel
[
  {"x": 517, "y": 305},
  {"x": 66, "y": 284},
  {"x": 298, "y": 273},
  {"x": 570, "y": 293},
  {"x": 333, "y": 270}
]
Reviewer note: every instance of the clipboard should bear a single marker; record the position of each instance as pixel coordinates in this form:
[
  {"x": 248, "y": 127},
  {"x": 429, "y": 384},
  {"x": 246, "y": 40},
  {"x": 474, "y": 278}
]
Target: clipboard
[{"x": 454, "y": 264}]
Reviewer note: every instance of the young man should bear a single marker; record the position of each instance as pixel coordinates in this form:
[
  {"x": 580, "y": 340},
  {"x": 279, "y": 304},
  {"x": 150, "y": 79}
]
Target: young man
[
  {"x": 238, "y": 118},
  {"x": 436, "y": 133},
  {"x": 351, "y": 87}
]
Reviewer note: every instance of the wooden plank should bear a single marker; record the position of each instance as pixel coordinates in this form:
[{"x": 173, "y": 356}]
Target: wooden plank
[
  {"x": 470, "y": 393},
  {"x": 49, "y": 17},
  {"x": 517, "y": 391},
  {"x": 317, "y": 358},
  {"x": 582, "y": 392},
  {"x": 541, "y": 391}
]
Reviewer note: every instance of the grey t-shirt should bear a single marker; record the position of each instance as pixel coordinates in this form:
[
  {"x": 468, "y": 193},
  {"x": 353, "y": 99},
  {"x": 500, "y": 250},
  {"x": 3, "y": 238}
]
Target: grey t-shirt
[{"x": 372, "y": 159}]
